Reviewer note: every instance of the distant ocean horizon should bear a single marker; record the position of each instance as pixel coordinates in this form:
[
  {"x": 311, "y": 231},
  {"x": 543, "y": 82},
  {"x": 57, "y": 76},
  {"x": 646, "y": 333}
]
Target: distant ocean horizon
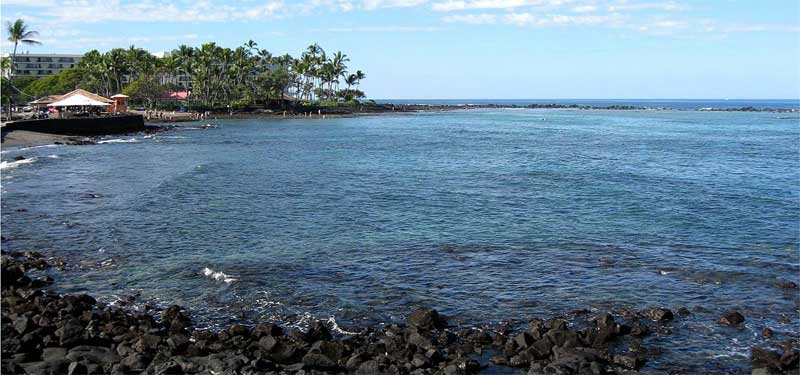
[{"x": 683, "y": 104}]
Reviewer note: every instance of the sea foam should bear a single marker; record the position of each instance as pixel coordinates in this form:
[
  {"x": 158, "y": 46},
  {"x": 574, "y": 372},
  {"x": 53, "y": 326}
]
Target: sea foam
[
  {"x": 119, "y": 140},
  {"x": 219, "y": 276},
  {"x": 16, "y": 163}
]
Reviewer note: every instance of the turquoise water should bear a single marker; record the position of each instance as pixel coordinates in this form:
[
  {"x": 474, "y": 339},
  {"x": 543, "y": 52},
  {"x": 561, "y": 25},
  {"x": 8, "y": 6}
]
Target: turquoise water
[{"x": 485, "y": 215}]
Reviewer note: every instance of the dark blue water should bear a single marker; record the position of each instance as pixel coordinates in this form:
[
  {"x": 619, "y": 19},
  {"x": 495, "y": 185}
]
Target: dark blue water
[
  {"x": 485, "y": 215},
  {"x": 681, "y": 104}
]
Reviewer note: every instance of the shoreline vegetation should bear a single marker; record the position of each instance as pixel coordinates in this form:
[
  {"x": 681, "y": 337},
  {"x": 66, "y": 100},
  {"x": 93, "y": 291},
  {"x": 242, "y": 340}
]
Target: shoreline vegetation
[
  {"x": 47, "y": 333},
  {"x": 202, "y": 78}
]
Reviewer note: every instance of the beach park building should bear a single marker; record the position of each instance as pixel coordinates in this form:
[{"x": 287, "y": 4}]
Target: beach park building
[
  {"x": 42, "y": 64},
  {"x": 80, "y": 100}
]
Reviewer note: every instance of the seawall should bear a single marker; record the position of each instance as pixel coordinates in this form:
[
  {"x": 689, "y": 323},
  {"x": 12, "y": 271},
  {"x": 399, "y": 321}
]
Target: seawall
[{"x": 90, "y": 126}]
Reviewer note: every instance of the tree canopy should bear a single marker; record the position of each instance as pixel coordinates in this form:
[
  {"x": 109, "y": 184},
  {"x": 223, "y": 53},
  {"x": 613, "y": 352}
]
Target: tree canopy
[{"x": 215, "y": 76}]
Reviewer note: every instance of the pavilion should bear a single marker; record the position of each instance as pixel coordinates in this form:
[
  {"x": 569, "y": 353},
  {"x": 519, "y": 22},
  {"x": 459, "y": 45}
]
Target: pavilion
[{"x": 81, "y": 100}]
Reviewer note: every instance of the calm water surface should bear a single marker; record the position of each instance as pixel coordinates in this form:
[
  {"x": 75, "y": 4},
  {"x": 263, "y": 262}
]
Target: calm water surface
[
  {"x": 484, "y": 215},
  {"x": 677, "y": 104}
]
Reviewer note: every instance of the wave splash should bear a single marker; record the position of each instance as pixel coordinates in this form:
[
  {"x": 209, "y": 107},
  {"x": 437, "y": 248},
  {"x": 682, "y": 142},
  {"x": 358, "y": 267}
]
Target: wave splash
[
  {"x": 218, "y": 275},
  {"x": 118, "y": 140},
  {"x": 16, "y": 163}
]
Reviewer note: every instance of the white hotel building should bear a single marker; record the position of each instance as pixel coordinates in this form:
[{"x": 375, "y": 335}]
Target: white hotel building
[{"x": 42, "y": 64}]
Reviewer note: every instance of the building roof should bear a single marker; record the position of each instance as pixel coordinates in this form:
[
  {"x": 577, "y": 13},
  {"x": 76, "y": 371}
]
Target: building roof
[
  {"x": 81, "y": 97},
  {"x": 47, "y": 99},
  {"x": 86, "y": 94},
  {"x": 120, "y": 96},
  {"x": 180, "y": 95}
]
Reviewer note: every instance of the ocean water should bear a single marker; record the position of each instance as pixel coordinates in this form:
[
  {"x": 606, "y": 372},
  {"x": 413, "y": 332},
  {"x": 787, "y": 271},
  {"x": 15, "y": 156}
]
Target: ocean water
[
  {"x": 677, "y": 104},
  {"x": 485, "y": 215}
]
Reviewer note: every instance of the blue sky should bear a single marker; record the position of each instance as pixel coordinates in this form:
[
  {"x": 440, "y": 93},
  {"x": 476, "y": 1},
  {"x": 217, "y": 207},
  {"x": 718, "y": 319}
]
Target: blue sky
[{"x": 471, "y": 48}]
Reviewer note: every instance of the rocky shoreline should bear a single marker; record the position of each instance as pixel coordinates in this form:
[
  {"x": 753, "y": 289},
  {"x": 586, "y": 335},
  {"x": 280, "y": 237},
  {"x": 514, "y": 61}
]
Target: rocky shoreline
[
  {"x": 29, "y": 138},
  {"x": 47, "y": 333}
]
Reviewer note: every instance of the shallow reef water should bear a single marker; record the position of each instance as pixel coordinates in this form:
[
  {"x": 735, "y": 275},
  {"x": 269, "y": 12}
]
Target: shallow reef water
[{"x": 485, "y": 215}]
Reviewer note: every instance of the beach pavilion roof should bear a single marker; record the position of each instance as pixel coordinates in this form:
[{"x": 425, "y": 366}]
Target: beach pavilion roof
[
  {"x": 81, "y": 97},
  {"x": 46, "y": 99}
]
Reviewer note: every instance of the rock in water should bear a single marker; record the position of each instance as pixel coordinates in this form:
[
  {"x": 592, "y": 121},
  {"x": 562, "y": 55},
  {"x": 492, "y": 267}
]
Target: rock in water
[
  {"x": 764, "y": 358},
  {"x": 629, "y": 361},
  {"x": 659, "y": 314},
  {"x": 732, "y": 318},
  {"x": 317, "y": 331},
  {"x": 786, "y": 284},
  {"x": 426, "y": 319}
]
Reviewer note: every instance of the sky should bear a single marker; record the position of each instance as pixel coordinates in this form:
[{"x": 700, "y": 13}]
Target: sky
[{"x": 478, "y": 49}]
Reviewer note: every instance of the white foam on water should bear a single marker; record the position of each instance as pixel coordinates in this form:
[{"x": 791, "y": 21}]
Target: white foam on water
[
  {"x": 40, "y": 146},
  {"x": 119, "y": 140},
  {"x": 335, "y": 327},
  {"x": 219, "y": 276},
  {"x": 16, "y": 163}
]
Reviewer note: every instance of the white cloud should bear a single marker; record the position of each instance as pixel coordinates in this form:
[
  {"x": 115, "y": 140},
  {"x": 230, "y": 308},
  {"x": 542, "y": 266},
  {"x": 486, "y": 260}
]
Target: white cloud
[
  {"x": 375, "y": 4},
  {"x": 377, "y": 29},
  {"x": 624, "y": 5},
  {"x": 267, "y": 10},
  {"x": 584, "y": 8},
  {"x": 345, "y": 5},
  {"x": 455, "y": 5},
  {"x": 529, "y": 19},
  {"x": 30, "y": 3},
  {"x": 473, "y": 19},
  {"x": 98, "y": 11},
  {"x": 78, "y": 42}
]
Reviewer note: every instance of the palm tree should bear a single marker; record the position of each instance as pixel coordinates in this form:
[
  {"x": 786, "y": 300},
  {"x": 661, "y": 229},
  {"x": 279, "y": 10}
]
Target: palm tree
[
  {"x": 351, "y": 80},
  {"x": 222, "y": 76},
  {"x": 338, "y": 69},
  {"x": 18, "y": 33},
  {"x": 251, "y": 45},
  {"x": 359, "y": 76},
  {"x": 5, "y": 66}
]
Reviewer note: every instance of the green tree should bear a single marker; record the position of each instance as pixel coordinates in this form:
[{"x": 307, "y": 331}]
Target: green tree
[
  {"x": 18, "y": 33},
  {"x": 145, "y": 90}
]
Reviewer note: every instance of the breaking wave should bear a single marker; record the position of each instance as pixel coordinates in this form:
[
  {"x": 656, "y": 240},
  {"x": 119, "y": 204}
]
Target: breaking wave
[
  {"x": 219, "y": 276},
  {"x": 118, "y": 140},
  {"x": 16, "y": 163}
]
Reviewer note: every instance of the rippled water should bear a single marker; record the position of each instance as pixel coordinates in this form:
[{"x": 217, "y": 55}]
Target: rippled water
[
  {"x": 485, "y": 215},
  {"x": 678, "y": 104}
]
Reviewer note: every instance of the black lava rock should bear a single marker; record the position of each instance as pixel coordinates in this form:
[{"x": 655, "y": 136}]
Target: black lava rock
[
  {"x": 731, "y": 318},
  {"x": 426, "y": 319}
]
